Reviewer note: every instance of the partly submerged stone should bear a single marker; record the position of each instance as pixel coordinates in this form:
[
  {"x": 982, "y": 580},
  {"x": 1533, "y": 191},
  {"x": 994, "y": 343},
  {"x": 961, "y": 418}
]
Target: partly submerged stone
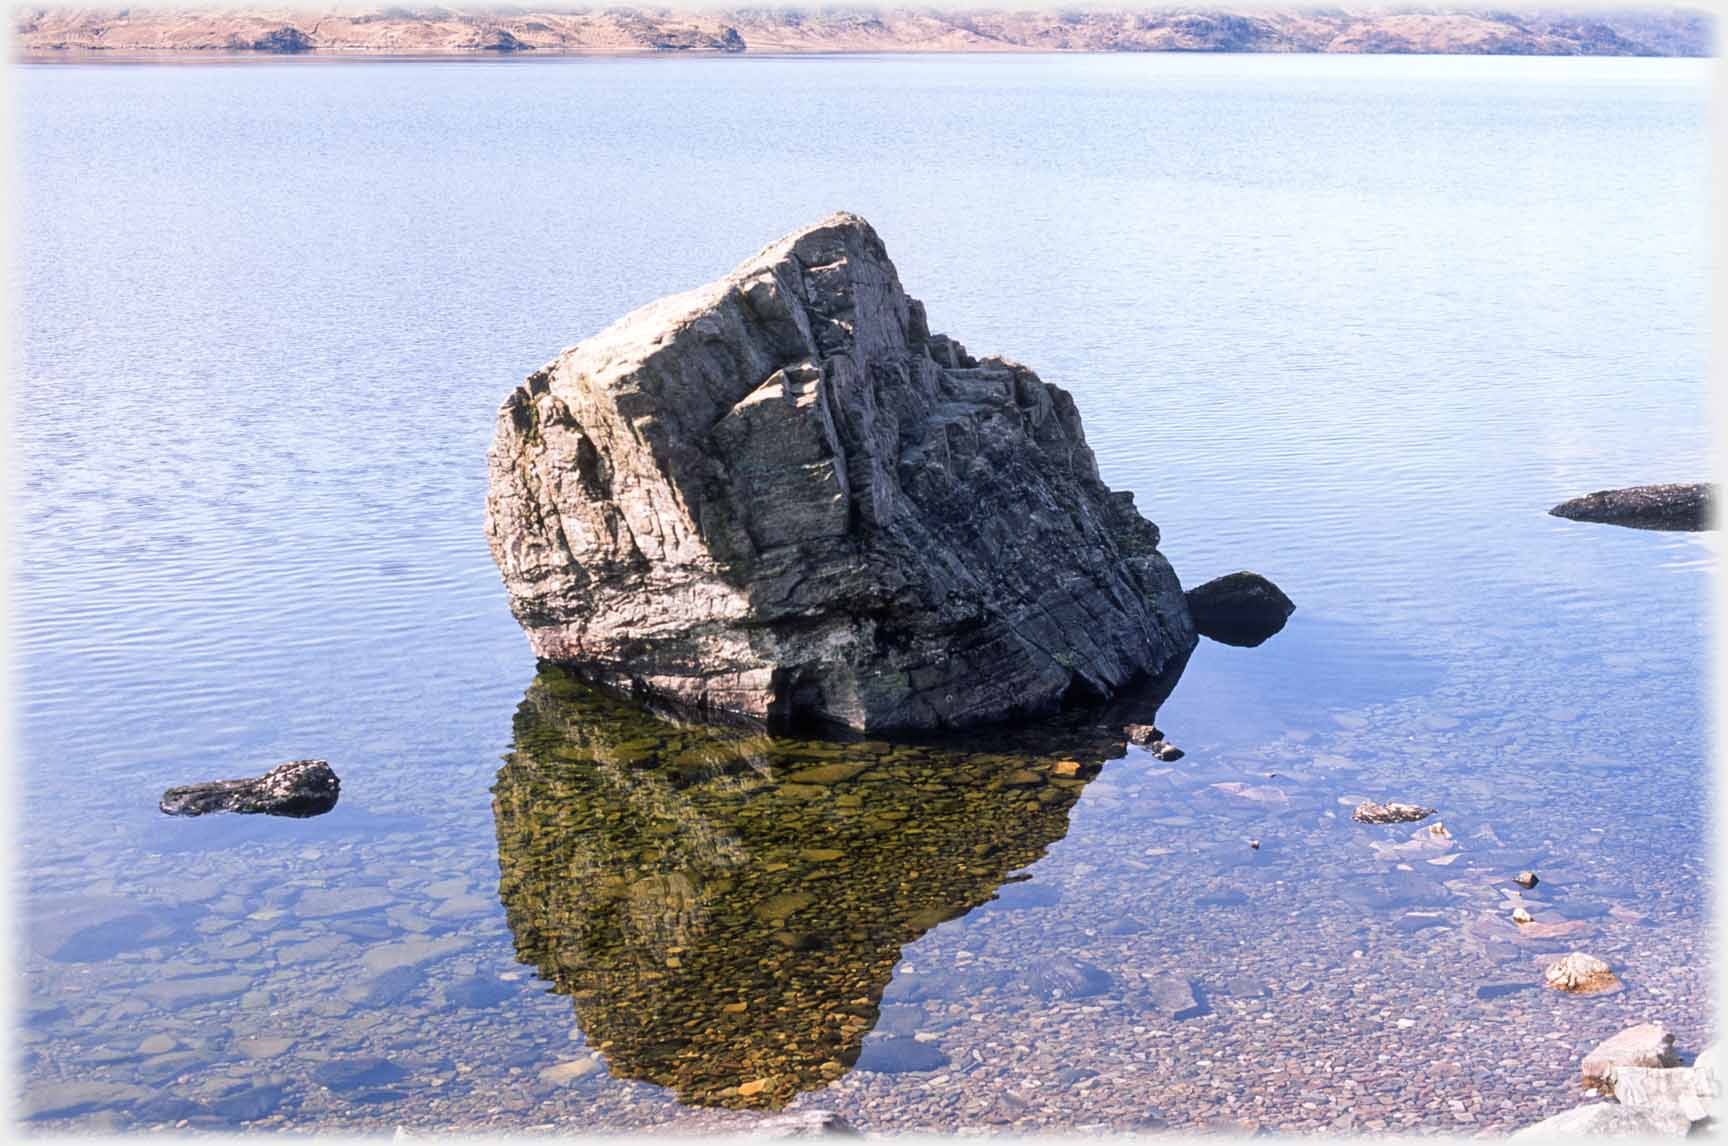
[
  {"x": 298, "y": 788},
  {"x": 1145, "y": 735},
  {"x": 1581, "y": 974},
  {"x": 1368, "y": 812},
  {"x": 1647, "y": 1045},
  {"x": 1243, "y": 609},
  {"x": 1677, "y": 506},
  {"x": 781, "y": 495}
]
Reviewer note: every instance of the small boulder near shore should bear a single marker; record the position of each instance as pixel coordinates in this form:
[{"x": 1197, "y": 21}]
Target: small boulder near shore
[
  {"x": 1242, "y": 609},
  {"x": 1581, "y": 974},
  {"x": 1679, "y": 507},
  {"x": 1368, "y": 812},
  {"x": 782, "y": 495},
  {"x": 1645, "y": 1045},
  {"x": 299, "y": 788}
]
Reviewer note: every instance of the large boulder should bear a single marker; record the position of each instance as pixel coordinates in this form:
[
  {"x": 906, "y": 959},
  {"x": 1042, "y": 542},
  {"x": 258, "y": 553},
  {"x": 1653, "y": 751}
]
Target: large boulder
[
  {"x": 780, "y": 495},
  {"x": 1680, "y": 506}
]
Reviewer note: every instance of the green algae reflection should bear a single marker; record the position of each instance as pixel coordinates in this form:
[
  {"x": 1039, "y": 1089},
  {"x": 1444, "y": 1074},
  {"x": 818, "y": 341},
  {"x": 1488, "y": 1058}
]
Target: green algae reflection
[{"x": 725, "y": 907}]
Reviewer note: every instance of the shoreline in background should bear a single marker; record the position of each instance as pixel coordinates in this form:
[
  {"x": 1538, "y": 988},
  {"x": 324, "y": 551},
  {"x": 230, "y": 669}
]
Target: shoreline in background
[
  {"x": 183, "y": 58},
  {"x": 91, "y": 34}
]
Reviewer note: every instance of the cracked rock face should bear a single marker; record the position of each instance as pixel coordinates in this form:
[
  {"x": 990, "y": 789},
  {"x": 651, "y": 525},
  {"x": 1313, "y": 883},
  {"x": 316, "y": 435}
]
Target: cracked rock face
[{"x": 780, "y": 495}]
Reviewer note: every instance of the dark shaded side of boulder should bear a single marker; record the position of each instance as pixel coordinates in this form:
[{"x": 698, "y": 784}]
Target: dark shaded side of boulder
[
  {"x": 1681, "y": 507},
  {"x": 299, "y": 788},
  {"x": 1242, "y": 609}
]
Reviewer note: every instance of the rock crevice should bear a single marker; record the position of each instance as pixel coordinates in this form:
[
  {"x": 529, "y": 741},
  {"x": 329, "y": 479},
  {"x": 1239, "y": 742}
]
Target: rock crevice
[{"x": 781, "y": 495}]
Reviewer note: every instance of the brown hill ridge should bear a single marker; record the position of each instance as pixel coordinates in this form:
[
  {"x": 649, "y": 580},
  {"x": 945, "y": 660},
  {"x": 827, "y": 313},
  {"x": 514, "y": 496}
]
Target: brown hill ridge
[{"x": 441, "y": 31}]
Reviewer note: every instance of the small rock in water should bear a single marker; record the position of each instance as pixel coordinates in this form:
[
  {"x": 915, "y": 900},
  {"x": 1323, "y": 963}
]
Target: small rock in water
[
  {"x": 1255, "y": 844},
  {"x": 1581, "y": 974},
  {"x": 1057, "y": 978},
  {"x": 1519, "y": 915},
  {"x": 900, "y": 1056},
  {"x": 1143, "y": 734},
  {"x": 353, "y": 1073},
  {"x": 299, "y": 788},
  {"x": 570, "y": 1071},
  {"x": 1368, "y": 812},
  {"x": 70, "y": 1099},
  {"x": 1226, "y": 898},
  {"x": 1526, "y": 879},
  {"x": 1668, "y": 507},
  {"x": 1647, "y": 1045},
  {"x": 477, "y": 992},
  {"x": 1423, "y": 842},
  {"x": 1242, "y": 609},
  {"x": 1168, "y": 752},
  {"x": 1174, "y": 996},
  {"x": 248, "y": 1104},
  {"x": 383, "y": 989}
]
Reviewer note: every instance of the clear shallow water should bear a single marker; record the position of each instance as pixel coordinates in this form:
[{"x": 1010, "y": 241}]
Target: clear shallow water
[{"x": 1354, "y": 323}]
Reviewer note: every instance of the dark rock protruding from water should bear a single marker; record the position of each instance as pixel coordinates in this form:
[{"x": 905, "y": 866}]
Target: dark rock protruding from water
[
  {"x": 1368, "y": 812},
  {"x": 299, "y": 788},
  {"x": 1242, "y": 609},
  {"x": 781, "y": 495},
  {"x": 1677, "y": 507}
]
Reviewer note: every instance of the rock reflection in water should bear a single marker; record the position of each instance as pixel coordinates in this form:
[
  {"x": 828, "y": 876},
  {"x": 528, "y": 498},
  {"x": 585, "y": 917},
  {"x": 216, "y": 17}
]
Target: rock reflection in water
[{"x": 725, "y": 907}]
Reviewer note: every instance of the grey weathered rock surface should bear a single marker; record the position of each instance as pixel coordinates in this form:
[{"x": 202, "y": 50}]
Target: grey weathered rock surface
[
  {"x": 1606, "y": 1120},
  {"x": 298, "y": 788},
  {"x": 1647, "y": 1044},
  {"x": 1708, "y": 1079},
  {"x": 781, "y": 495},
  {"x": 1674, "y": 1089},
  {"x": 1668, "y": 507},
  {"x": 1243, "y": 609}
]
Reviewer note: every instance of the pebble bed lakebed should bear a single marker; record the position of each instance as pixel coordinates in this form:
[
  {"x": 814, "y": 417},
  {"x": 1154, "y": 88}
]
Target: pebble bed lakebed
[{"x": 356, "y": 985}]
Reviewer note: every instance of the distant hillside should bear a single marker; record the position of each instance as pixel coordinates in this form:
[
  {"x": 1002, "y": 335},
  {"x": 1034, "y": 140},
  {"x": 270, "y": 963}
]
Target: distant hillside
[{"x": 436, "y": 31}]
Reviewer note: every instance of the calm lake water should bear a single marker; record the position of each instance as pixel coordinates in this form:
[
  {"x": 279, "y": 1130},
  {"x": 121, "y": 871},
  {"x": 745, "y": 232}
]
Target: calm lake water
[{"x": 1355, "y": 323}]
